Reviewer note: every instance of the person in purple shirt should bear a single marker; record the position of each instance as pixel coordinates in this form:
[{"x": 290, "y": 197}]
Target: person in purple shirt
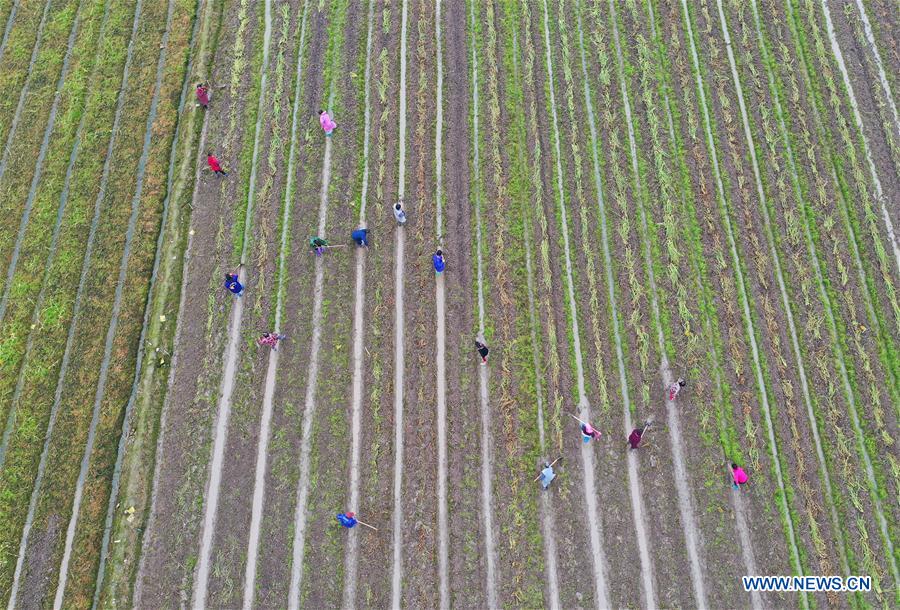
[{"x": 438, "y": 260}]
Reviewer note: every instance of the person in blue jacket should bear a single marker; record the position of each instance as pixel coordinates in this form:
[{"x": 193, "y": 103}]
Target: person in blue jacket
[
  {"x": 438, "y": 260},
  {"x": 233, "y": 285},
  {"x": 347, "y": 520},
  {"x": 547, "y": 475},
  {"x": 361, "y": 237}
]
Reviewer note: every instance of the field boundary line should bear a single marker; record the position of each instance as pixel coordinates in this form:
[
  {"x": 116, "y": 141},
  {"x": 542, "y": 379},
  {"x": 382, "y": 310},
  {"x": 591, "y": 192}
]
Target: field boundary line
[
  {"x": 399, "y": 338},
  {"x": 7, "y": 147},
  {"x": 113, "y": 324},
  {"x": 441, "y": 329},
  {"x": 259, "y": 485},
  {"x": 546, "y": 508},
  {"x": 351, "y": 557},
  {"x": 685, "y": 503},
  {"x": 600, "y": 567},
  {"x": 870, "y": 38},
  {"x": 486, "y": 455},
  {"x": 36, "y": 177},
  {"x": 9, "y": 23},
  {"x": 879, "y": 192},
  {"x": 54, "y": 410},
  {"x": 220, "y": 430},
  {"x": 151, "y": 297},
  {"x": 736, "y": 498},
  {"x": 750, "y": 327}
]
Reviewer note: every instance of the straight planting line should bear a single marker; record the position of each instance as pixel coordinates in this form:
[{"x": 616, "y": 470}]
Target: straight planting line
[
  {"x": 9, "y": 23},
  {"x": 486, "y": 457},
  {"x": 262, "y": 450},
  {"x": 441, "y": 331},
  {"x": 399, "y": 339},
  {"x": 879, "y": 193},
  {"x": 129, "y": 407},
  {"x": 736, "y": 498},
  {"x": 546, "y": 510},
  {"x": 18, "y": 115},
  {"x": 113, "y": 323},
  {"x": 800, "y": 368},
  {"x": 870, "y": 37},
  {"x": 201, "y": 580},
  {"x": 39, "y": 166},
  {"x": 692, "y": 537},
  {"x": 351, "y": 558},
  {"x": 54, "y": 240},
  {"x": 751, "y": 331},
  {"x": 70, "y": 340},
  {"x": 601, "y": 593},
  {"x": 823, "y": 295}
]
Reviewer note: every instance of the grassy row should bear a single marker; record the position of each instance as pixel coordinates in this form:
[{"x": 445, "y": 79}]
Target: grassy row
[
  {"x": 17, "y": 58},
  {"x": 43, "y": 364}
]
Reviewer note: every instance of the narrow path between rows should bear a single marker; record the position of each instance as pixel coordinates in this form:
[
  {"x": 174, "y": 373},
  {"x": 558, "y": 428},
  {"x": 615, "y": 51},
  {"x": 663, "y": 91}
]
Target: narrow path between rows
[
  {"x": 879, "y": 192},
  {"x": 682, "y": 487},
  {"x": 312, "y": 379},
  {"x": 10, "y": 19},
  {"x": 35, "y": 180},
  {"x": 486, "y": 454},
  {"x": 113, "y": 323},
  {"x": 220, "y": 434},
  {"x": 882, "y": 77},
  {"x": 601, "y": 569},
  {"x": 441, "y": 329},
  {"x": 262, "y": 448},
  {"x": 399, "y": 337},
  {"x": 352, "y": 556},
  {"x": 76, "y": 310},
  {"x": 739, "y": 276}
]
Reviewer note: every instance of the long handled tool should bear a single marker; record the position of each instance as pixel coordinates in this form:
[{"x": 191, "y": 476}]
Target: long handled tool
[{"x": 367, "y": 525}]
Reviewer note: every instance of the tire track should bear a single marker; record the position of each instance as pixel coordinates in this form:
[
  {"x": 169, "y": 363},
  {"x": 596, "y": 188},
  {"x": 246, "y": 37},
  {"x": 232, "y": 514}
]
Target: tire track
[
  {"x": 600, "y": 566},
  {"x": 220, "y": 434},
  {"x": 67, "y": 353},
  {"x": 399, "y": 337},
  {"x": 21, "y": 105},
  {"x": 151, "y": 297},
  {"x": 117, "y": 303},
  {"x": 9, "y": 23},
  {"x": 35, "y": 179},
  {"x": 486, "y": 455},
  {"x": 882, "y": 77},
  {"x": 686, "y": 510},
  {"x": 879, "y": 192},
  {"x": 790, "y": 317},
  {"x": 750, "y": 328},
  {"x": 352, "y": 555},
  {"x": 271, "y": 372}
]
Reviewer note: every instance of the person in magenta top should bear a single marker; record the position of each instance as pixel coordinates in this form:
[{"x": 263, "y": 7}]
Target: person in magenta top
[
  {"x": 214, "y": 164},
  {"x": 203, "y": 95},
  {"x": 588, "y": 432},
  {"x": 740, "y": 477},
  {"x": 675, "y": 388},
  {"x": 327, "y": 124}
]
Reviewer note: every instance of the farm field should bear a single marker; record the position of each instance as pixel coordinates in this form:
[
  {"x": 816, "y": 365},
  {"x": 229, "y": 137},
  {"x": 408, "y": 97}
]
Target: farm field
[{"x": 625, "y": 193}]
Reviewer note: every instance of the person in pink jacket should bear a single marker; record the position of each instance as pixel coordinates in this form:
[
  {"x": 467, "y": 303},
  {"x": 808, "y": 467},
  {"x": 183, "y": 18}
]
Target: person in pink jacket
[
  {"x": 327, "y": 124},
  {"x": 740, "y": 477}
]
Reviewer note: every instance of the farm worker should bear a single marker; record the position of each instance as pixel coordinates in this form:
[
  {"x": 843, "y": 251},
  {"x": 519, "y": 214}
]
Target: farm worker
[
  {"x": 361, "y": 237},
  {"x": 438, "y": 260},
  {"x": 675, "y": 388},
  {"x": 482, "y": 349},
  {"x": 318, "y": 244},
  {"x": 327, "y": 124},
  {"x": 232, "y": 284},
  {"x": 547, "y": 475},
  {"x": 214, "y": 164},
  {"x": 271, "y": 340},
  {"x": 347, "y": 520},
  {"x": 740, "y": 477},
  {"x": 399, "y": 214},
  {"x": 203, "y": 95},
  {"x": 588, "y": 433},
  {"x": 634, "y": 439}
]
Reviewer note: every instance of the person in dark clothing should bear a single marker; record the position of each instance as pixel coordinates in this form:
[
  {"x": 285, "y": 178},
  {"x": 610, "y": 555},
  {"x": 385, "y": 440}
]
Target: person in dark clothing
[
  {"x": 203, "y": 95},
  {"x": 634, "y": 439},
  {"x": 214, "y": 164},
  {"x": 318, "y": 245},
  {"x": 361, "y": 237},
  {"x": 233, "y": 285},
  {"x": 482, "y": 350}
]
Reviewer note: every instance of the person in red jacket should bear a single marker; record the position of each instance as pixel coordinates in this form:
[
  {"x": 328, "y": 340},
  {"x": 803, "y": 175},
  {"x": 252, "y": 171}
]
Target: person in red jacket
[
  {"x": 214, "y": 164},
  {"x": 203, "y": 95}
]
